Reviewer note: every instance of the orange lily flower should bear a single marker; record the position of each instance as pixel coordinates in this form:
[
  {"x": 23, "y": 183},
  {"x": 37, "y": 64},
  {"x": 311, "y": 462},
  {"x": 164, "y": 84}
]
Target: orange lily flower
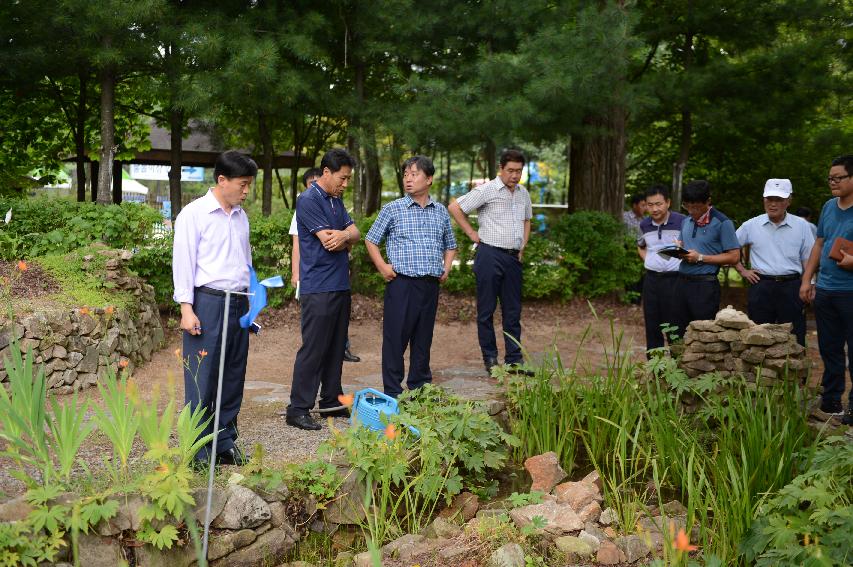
[
  {"x": 682, "y": 542},
  {"x": 202, "y": 353},
  {"x": 109, "y": 309},
  {"x": 123, "y": 363},
  {"x": 346, "y": 400},
  {"x": 22, "y": 266},
  {"x": 391, "y": 431},
  {"x": 84, "y": 311}
]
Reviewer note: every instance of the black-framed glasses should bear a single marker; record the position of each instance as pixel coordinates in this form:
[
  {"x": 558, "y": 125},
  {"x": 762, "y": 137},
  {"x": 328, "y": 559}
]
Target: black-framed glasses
[{"x": 836, "y": 179}]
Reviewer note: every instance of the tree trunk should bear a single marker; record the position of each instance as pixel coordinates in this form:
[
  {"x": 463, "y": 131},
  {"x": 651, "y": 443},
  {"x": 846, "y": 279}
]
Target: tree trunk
[
  {"x": 80, "y": 138},
  {"x": 597, "y": 164},
  {"x": 359, "y": 185},
  {"x": 176, "y": 129},
  {"x": 447, "y": 186},
  {"x": 108, "y": 148},
  {"x": 373, "y": 175},
  {"x": 491, "y": 158},
  {"x": 353, "y": 149},
  {"x": 266, "y": 142}
]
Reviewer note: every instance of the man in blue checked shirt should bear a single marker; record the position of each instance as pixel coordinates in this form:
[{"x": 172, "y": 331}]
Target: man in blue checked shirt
[{"x": 420, "y": 245}]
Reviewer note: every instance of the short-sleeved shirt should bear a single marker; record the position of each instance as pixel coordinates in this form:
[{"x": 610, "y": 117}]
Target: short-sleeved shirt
[
  {"x": 716, "y": 237},
  {"x": 777, "y": 250},
  {"x": 500, "y": 212},
  {"x": 656, "y": 236},
  {"x": 416, "y": 237},
  {"x": 293, "y": 230},
  {"x": 320, "y": 270},
  {"x": 834, "y": 222},
  {"x": 632, "y": 223}
]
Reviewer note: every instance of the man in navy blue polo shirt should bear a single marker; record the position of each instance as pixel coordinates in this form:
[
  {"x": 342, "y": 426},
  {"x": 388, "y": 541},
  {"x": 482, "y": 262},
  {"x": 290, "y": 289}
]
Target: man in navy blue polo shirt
[
  {"x": 326, "y": 233},
  {"x": 421, "y": 247},
  {"x": 660, "y": 229},
  {"x": 778, "y": 246},
  {"x": 710, "y": 239}
]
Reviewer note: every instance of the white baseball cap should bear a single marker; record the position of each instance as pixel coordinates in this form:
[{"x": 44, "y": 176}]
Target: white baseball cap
[{"x": 778, "y": 188}]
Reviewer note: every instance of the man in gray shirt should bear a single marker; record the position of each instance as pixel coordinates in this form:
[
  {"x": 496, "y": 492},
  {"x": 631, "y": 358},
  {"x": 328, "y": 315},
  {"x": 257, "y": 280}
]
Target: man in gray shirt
[{"x": 503, "y": 214}]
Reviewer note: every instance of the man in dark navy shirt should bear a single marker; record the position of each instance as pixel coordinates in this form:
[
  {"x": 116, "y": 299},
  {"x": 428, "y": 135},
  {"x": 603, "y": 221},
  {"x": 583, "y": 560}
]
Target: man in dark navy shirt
[
  {"x": 710, "y": 239},
  {"x": 326, "y": 232}
]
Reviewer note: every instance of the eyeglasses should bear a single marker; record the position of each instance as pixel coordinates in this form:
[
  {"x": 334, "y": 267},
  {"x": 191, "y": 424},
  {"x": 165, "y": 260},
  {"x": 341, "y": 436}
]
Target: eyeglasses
[{"x": 837, "y": 179}]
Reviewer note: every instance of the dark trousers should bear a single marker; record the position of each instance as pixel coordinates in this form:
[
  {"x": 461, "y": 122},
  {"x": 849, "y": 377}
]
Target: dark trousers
[
  {"x": 659, "y": 290},
  {"x": 410, "y": 308},
  {"x": 498, "y": 276},
  {"x": 201, "y": 371},
  {"x": 771, "y": 301},
  {"x": 834, "y": 314},
  {"x": 696, "y": 300},
  {"x": 325, "y": 322}
]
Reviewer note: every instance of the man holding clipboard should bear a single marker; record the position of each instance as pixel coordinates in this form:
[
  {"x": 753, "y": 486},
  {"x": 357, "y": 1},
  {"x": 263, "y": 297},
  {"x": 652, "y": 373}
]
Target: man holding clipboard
[{"x": 833, "y": 294}]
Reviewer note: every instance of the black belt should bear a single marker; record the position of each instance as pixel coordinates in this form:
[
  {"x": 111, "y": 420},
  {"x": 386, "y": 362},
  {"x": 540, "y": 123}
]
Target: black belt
[
  {"x": 699, "y": 278},
  {"x": 662, "y": 274},
  {"x": 511, "y": 251},
  {"x": 783, "y": 278},
  {"x": 424, "y": 278},
  {"x": 214, "y": 291}
]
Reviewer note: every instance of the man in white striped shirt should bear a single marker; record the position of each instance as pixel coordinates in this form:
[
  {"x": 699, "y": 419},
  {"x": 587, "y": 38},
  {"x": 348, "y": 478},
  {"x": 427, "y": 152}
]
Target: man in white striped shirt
[{"x": 503, "y": 215}]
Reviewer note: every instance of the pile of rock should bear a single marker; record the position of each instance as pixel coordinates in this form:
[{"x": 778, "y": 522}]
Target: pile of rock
[
  {"x": 569, "y": 515},
  {"x": 77, "y": 347},
  {"x": 733, "y": 344}
]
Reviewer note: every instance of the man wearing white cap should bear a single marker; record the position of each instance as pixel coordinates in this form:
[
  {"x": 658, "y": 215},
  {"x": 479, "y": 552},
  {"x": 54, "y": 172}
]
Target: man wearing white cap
[{"x": 777, "y": 245}]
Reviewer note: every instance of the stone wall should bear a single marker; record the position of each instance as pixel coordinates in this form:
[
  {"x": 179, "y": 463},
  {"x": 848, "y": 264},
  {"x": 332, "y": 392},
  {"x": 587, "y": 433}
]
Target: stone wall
[
  {"x": 250, "y": 528},
  {"x": 77, "y": 346},
  {"x": 733, "y": 344}
]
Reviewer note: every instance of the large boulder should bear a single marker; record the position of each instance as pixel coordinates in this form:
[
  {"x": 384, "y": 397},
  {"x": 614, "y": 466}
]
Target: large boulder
[{"x": 244, "y": 509}]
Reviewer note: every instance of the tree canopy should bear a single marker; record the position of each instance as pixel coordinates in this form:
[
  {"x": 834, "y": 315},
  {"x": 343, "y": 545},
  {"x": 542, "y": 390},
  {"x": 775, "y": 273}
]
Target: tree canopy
[{"x": 629, "y": 93}]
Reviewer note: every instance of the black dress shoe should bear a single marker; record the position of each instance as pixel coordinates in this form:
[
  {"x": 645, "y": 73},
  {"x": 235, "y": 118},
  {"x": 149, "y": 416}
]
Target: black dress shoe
[
  {"x": 515, "y": 368},
  {"x": 350, "y": 357},
  {"x": 491, "y": 363},
  {"x": 302, "y": 422},
  {"x": 232, "y": 456},
  {"x": 340, "y": 412}
]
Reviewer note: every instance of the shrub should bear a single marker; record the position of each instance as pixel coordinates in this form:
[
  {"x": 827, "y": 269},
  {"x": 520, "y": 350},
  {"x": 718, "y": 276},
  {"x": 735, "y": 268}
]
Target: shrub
[
  {"x": 810, "y": 521},
  {"x": 605, "y": 259},
  {"x": 55, "y": 226}
]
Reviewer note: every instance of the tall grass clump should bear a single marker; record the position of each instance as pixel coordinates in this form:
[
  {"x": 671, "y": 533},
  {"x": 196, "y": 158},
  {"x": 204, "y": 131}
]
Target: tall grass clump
[{"x": 629, "y": 421}]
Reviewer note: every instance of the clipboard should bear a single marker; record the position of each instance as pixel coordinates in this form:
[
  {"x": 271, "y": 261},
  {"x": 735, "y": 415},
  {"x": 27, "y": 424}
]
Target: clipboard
[{"x": 673, "y": 251}]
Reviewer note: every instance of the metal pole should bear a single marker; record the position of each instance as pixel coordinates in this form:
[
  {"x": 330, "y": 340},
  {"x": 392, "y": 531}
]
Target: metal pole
[{"x": 207, "y": 518}]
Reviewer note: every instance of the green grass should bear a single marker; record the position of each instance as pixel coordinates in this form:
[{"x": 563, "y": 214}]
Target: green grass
[
  {"x": 722, "y": 463},
  {"x": 80, "y": 287}
]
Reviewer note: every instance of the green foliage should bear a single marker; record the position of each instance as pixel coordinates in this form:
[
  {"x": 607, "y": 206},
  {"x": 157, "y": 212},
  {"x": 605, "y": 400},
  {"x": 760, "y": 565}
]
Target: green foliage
[
  {"x": 605, "y": 258},
  {"x": 82, "y": 283},
  {"x": 24, "y": 413},
  {"x": 723, "y": 462},
  {"x": 317, "y": 478},
  {"x": 365, "y": 278},
  {"x": 69, "y": 429},
  {"x": 271, "y": 250},
  {"x": 517, "y": 500},
  {"x": 19, "y": 545},
  {"x": 810, "y": 520},
  {"x": 55, "y": 226},
  {"x": 119, "y": 420},
  {"x": 153, "y": 262}
]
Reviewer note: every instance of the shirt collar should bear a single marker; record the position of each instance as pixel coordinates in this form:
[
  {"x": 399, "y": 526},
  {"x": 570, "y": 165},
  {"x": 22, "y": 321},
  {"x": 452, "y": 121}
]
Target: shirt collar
[
  {"x": 665, "y": 221},
  {"x": 211, "y": 204},
  {"x": 321, "y": 192},
  {"x": 765, "y": 219},
  {"x": 409, "y": 201}
]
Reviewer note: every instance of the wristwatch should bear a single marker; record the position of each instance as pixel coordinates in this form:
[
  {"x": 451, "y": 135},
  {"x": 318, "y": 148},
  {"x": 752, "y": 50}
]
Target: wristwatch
[{"x": 700, "y": 259}]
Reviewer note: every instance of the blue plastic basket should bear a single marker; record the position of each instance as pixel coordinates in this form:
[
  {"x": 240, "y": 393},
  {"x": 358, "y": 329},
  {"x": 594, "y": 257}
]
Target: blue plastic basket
[{"x": 369, "y": 406}]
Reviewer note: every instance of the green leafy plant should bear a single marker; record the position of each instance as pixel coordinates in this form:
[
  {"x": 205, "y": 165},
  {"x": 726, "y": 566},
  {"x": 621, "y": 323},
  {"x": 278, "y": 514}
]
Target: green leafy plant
[
  {"x": 810, "y": 520},
  {"x": 68, "y": 432},
  {"x": 517, "y": 500},
  {"x": 118, "y": 419}
]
